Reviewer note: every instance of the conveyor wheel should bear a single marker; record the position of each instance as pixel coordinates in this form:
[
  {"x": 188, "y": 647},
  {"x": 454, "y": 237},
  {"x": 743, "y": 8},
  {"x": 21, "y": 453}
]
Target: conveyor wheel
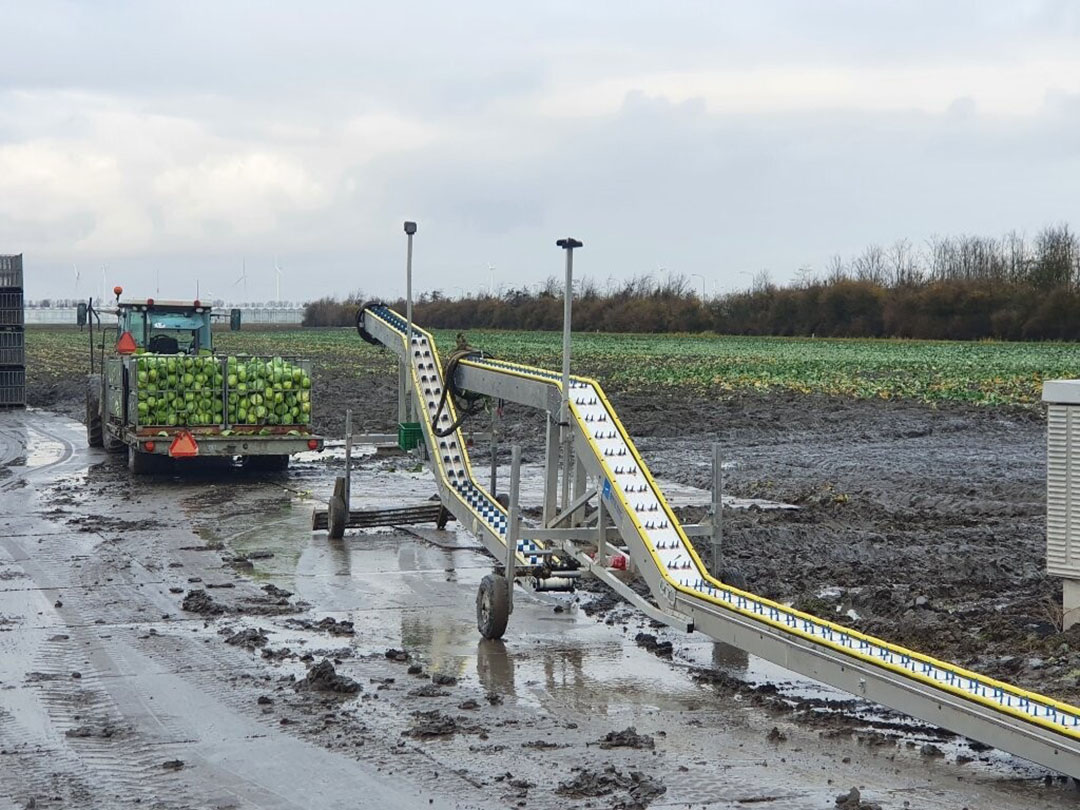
[
  {"x": 444, "y": 517},
  {"x": 733, "y": 577},
  {"x": 493, "y": 606},
  {"x": 338, "y": 512}
]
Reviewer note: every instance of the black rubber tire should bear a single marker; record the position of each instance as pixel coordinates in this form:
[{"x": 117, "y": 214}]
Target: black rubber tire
[
  {"x": 93, "y": 411},
  {"x": 278, "y": 463},
  {"x": 111, "y": 443},
  {"x": 336, "y": 518},
  {"x": 140, "y": 463},
  {"x": 492, "y": 606},
  {"x": 733, "y": 577},
  {"x": 444, "y": 517}
]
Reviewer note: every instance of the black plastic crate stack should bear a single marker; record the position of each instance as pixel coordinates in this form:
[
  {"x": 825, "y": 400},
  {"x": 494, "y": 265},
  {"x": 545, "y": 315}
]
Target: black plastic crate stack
[{"x": 12, "y": 334}]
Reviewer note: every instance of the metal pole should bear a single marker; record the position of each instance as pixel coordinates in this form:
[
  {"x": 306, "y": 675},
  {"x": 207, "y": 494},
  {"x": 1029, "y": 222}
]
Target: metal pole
[
  {"x": 494, "y": 446},
  {"x": 579, "y": 490},
  {"x": 717, "y": 509},
  {"x": 568, "y": 297},
  {"x": 348, "y": 459},
  {"x": 601, "y": 539},
  {"x": 568, "y": 245},
  {"x": 512, "y": 528},
  {"x": 551, "y": 472},
  {"x": 410, "y": 229}
]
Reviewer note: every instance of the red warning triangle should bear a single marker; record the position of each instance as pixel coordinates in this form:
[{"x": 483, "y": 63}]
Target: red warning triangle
[
  {"x": 184, "y": 445},
  {"x": 126, "y": 344}
]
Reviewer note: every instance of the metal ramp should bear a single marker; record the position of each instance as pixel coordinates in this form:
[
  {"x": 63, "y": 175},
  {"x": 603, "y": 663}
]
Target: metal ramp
[{"x": 1027, "y": 724}]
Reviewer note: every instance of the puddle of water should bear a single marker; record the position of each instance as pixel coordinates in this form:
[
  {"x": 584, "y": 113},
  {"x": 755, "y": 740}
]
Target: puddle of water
[{"x": 42, "y": 450}]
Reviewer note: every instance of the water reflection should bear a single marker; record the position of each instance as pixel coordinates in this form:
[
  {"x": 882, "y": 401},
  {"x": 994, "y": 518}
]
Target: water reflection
[
  {"x": 730, "y": 659},
  {"x": 495, "y": 667}
]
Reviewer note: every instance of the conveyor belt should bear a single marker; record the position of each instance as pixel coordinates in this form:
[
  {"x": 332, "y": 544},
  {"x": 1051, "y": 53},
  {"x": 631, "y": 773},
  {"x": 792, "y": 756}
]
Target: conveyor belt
[
  {"x": 1029, "y": 724},
  {"x": 471, "y": 504}
]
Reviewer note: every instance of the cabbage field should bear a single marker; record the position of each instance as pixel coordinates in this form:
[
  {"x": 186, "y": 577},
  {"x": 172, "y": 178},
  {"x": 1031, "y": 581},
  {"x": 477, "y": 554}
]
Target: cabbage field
[
  {"x": 979, "y": 373},
  {"x": 983, "y": 373}
]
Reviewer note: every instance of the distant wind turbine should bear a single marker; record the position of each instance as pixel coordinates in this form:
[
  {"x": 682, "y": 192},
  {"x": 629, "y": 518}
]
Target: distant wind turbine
[
  {"x": 277, "y": 281},
  {"x": 75, "y": 267},
  {"x": 243, "y": 278}
]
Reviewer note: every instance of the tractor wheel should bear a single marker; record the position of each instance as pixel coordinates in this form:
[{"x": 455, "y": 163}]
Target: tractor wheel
[
  {"x": 111, "y": 443},
  {"x": 267, "y": 463},
  {"x": 93, "y": 410},
  {"x": 492, "y": 606}
]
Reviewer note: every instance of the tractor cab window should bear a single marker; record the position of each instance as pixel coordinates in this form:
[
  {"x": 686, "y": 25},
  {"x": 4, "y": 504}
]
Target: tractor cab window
[
  {"x": 175, "y": 333},
  {"x": 134, "y": 322}
]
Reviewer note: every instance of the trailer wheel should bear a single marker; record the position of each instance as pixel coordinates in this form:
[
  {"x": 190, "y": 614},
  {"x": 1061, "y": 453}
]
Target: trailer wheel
[
  {"x": 93, "y": 411},
  {"x": 492, "y": 606},
  {"x": 267, "y": 463},
  {"x": 140, "y": 463}
]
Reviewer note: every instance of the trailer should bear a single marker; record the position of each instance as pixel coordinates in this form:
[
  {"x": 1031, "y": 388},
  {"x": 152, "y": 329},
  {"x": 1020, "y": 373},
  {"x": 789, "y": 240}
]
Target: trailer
[{"x": 158, "y": 391}]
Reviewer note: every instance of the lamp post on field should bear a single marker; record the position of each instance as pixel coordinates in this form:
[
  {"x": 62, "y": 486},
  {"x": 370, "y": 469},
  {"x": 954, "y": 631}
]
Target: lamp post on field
[
  {"x": 410, "y": 230},
  {"x": 568, "y": 244}
]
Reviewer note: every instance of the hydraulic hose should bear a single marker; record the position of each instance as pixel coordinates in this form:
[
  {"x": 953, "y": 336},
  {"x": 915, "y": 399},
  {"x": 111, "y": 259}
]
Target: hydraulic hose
[{"x": 466, "y": 406}]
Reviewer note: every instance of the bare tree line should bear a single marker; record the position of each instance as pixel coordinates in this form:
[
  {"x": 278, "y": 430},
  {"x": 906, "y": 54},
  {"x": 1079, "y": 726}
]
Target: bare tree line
[{"x": 955, "y": 287}]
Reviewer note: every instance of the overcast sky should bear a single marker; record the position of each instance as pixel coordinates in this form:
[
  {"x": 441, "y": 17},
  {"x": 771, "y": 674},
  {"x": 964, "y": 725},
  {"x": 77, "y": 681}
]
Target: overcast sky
[{"x": 173, "y": 139}]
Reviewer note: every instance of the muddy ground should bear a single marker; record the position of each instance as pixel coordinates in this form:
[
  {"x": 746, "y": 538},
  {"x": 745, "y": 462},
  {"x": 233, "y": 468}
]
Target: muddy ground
[{"x": 923, "y": 526}]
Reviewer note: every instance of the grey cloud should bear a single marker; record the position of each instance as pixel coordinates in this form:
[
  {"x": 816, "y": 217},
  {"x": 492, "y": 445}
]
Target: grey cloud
[{"x": 182, "y": 138}]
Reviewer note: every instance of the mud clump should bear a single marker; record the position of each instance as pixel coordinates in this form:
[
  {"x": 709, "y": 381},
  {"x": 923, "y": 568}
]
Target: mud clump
[
  {"x": 428, "y": 690},
  {"x": 103, "y": 732},
  {"x": 276, "y": 592},
  {"x": 627, "y": 738},
  {"x": 396, "y": 655},
  {"x": 324, "y": 678},
  {"x": 199, "y": 601},
  {"x": 602, "y": 604},
  {"x": 641, "y": 789},
  {"x": 852, "y": 800},
  {"x": 248, "y": 637},
  {"x": 328, "y": 625},
  {"x": 649, "y": 642},
  {"x": 441, "y": 679},
  {"x": 434, "y": 725}
]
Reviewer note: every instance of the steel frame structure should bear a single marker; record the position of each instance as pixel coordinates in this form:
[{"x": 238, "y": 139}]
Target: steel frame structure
[{"x": 605, "y": 467}]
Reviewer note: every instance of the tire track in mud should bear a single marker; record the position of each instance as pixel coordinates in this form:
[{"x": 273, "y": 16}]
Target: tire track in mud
[
  {"x": 102, "y": 737},
  {"x": 14, "y": 447}
]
